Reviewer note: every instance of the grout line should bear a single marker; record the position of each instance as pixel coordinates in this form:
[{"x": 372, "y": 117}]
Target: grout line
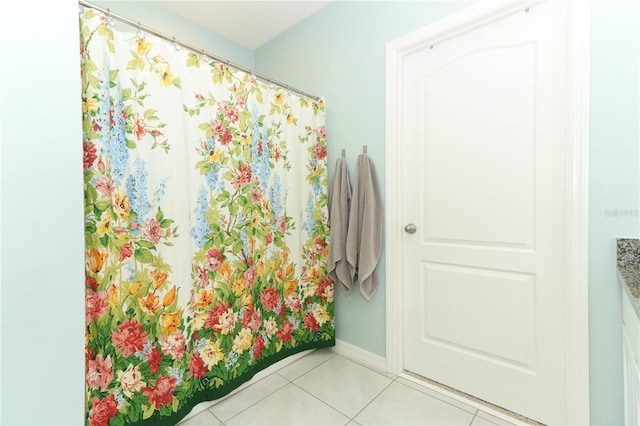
[
  {"x": 279, "y": 388},
  {"x": 257, "y": 401},
  {"x": 474, "y": 417},
  {"x": 372, "y": 399},
  {"x": 324, "y": 402},
  {"x": 308, "y": 371},
  {"x": 220, "y": 422}
]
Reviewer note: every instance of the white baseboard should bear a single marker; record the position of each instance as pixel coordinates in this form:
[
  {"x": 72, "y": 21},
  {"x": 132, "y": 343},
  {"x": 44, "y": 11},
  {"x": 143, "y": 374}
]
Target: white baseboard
[{"x": 355, "y": 353}]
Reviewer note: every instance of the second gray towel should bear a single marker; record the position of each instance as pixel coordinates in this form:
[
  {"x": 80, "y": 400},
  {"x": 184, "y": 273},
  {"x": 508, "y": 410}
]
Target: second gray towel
[{"x": 364, "y": 235}]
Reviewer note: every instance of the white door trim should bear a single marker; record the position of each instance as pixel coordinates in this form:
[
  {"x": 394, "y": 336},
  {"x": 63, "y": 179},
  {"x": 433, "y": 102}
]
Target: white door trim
[{"x": 577, "y": 184}]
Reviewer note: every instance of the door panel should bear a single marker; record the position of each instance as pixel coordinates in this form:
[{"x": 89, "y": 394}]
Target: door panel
[{"x": 484, "y": 116}]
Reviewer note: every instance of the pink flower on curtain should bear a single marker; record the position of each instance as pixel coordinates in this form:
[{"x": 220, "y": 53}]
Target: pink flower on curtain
[
  {"x": 152, "y": 230},
  {"x": 270, "y": 298},
  {"x": 129, "y": 338},
  {"x": 201, "y": 277},
  {"x": 252, "y": 319},
  {"x": 104, "y": 186},
  {"x": 160, "y": 395},
  {"x": 102, "y": 410},
  {"x": 285, "y": 334},
  {"x": 155, "y": 358},
  {"x": 125, "y": 251},
  {"x": 173, "y": 345},
  {"x": 214, "y": 259},
  {"x": 293, "y": 302},
  {"x": 258, "y": 346},
  {"x": 241, "y": 177},
  {"x": 91, "y": 283},
  {"x": 90, "y": 154},
  {"x": 96, "y": 304},
  {"x": 229, "y": 112},
  {"x": 220, "y": 132},
  {"x": 139, "y": 127},
  {"x": 196, "y": 366},
  {"x": 99, "y": 373},
  {"x": 213, "y": 316},
  {"x": 310, "y": 322},
  {"x": 320, "y": 151}
]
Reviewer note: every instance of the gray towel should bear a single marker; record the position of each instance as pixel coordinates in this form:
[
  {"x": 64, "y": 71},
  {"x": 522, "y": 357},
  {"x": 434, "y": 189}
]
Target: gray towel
[
  {"x": 364, "y": 236},
  {"x": 339, "y": 201}
]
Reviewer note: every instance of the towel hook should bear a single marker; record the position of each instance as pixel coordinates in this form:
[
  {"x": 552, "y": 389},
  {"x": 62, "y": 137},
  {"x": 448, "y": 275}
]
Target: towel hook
[
  {"x": 343, "y": 153},
  {"x": 364, "y": 149}
]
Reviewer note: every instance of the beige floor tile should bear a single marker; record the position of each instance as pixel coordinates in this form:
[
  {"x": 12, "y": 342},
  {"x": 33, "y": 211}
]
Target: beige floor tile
[
  {"x": 309, "y": 362},
  {"x": 343, "y": 384},
  {"x": 289, "y": 406},
  {"x": 242, "y": 400}
]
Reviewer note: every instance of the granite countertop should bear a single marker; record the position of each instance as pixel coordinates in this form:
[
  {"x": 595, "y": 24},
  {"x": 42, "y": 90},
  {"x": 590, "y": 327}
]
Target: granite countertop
[{"x": 628, "y": 263}]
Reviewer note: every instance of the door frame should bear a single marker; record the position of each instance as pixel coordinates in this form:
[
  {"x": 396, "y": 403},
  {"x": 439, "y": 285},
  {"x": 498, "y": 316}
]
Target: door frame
[{"x": 577, "y": 183}]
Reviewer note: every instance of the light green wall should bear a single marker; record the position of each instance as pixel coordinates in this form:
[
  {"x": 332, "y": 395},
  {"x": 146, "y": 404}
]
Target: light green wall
[
  {"x": 339, "y": 53},
  {"x": 614, "y": 185},
  {"x": 42, "y": 263}
]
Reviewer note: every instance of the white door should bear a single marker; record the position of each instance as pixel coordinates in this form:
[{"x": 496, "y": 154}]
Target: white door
[{"x": 484, "y": 126}]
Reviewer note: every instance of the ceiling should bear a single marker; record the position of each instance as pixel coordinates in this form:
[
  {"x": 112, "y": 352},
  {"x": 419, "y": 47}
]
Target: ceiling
[{"x": 248, "y": 23}]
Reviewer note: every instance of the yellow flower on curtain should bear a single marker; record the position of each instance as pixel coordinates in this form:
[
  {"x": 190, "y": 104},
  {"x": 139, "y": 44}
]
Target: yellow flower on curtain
[
  {"x": 113, "y": 295},
  {"x": 169, "y": 321},
  {"x": 238, "y": 286},
  {"x": 290, "y": 286},
  {"x": 121, "y": 204},
  {"x": 211, "y": 354},
  {"x": 105, "y": 225},
  {"x": 242, "y": 341},
  {"x": 166, "y": 76},
  {"x": 214, "y": 156},
  {"x": 89, "y": 104},
  {"x": 134, "y": 287},
  {"x": 144, "y": 46}
]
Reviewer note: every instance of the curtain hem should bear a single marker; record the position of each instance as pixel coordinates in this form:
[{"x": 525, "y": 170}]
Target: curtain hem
[{"x": 216, "y": 393}]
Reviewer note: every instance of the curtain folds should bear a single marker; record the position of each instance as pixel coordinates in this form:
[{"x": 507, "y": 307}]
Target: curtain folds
[{"x": 206, "y": 226}]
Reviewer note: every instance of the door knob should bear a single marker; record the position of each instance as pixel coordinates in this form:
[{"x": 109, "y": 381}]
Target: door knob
[{"x": 410, "y": 229}]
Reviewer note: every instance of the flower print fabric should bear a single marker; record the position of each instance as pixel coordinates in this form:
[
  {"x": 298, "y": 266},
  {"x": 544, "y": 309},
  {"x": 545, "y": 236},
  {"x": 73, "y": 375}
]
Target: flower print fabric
[{"x": 203, "y": 265}]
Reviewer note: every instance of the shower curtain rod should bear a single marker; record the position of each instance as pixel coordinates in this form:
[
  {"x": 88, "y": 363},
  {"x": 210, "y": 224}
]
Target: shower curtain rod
[{"x": 194, "y": 49}]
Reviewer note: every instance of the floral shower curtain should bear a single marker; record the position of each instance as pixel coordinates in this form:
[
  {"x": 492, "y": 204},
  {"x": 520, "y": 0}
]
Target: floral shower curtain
[{"x": 206, "y": 226}]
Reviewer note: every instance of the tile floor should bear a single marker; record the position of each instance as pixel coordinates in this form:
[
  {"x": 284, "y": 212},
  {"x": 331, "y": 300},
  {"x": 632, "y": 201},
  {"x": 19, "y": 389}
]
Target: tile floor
[{"x": 323, "y": 388}]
